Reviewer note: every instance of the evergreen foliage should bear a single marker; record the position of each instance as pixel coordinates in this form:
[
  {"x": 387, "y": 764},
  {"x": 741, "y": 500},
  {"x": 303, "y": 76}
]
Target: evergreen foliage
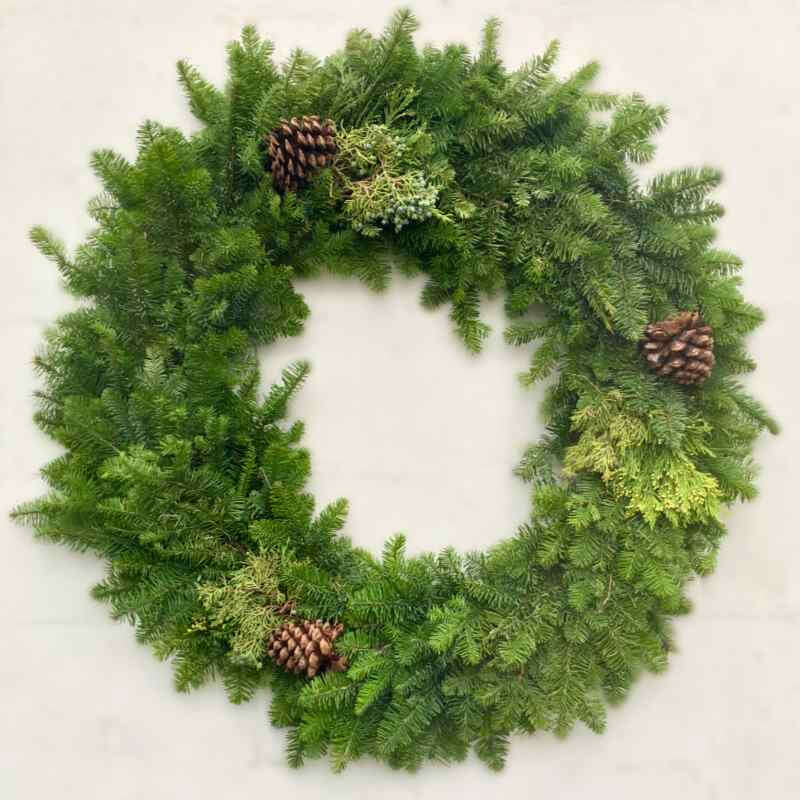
[{"x": 192, "y": 487}]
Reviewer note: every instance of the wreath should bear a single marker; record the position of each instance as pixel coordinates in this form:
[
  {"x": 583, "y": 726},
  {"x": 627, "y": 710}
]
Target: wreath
[{"x": 190, "y": 483}]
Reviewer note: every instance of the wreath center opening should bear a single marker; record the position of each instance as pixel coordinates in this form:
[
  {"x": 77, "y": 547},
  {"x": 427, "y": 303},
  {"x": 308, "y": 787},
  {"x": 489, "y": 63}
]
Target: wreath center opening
[{"x": 418, "y": 434}]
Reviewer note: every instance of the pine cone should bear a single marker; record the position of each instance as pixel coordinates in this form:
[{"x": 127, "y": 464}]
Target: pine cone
[
  {"x": 297, "y": 148},
  {"x": 306, "y": 646},
  {"x": 681, "y": 347}
]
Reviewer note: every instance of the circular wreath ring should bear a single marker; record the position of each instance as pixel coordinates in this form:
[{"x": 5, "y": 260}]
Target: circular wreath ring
[{"x": 186, "y": 480}]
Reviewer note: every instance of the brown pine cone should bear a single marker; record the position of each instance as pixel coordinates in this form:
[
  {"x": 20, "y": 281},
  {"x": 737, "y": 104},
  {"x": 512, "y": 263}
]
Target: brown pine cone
[
  {"x": 680, "y": 347},
  {"x": 306, "y": 646},
  {"x": 296, "y": 148}
]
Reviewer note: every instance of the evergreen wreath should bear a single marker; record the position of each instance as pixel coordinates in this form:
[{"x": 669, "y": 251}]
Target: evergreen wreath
[{"x": 191, "y": 485}]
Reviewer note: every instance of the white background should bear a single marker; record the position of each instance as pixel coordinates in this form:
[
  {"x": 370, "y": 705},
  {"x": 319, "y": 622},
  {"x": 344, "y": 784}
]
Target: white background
[{"x": 420, "y": 436}]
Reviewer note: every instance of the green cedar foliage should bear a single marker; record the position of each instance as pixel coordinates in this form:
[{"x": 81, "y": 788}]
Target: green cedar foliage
[{"x": 191, "y": 486}]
